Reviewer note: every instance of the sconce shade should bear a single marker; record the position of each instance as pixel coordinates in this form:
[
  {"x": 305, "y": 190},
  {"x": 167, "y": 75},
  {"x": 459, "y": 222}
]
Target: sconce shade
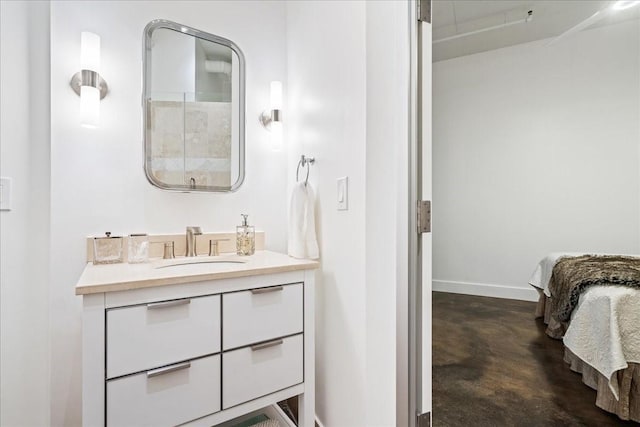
[
  {"x": 89, "y": 51},
  {"x": 89, "y": 107},
  {"x": 276, "y": 136},
  {"x": 272, "y": 119},
  {"x": 87, "y": 83},
  {"x": 276, "y": 95}
]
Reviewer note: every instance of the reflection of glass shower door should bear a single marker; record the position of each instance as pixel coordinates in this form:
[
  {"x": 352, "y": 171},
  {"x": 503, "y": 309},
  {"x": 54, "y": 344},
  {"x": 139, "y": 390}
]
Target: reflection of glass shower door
[
  {"x": 167, "y": 130},
  {"x": 207, "y": 142},
  {"x": 192, "y": 140}
]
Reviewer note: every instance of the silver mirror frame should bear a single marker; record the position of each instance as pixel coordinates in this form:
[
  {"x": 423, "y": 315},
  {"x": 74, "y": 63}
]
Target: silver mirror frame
[{"x": 146, "y": 86}]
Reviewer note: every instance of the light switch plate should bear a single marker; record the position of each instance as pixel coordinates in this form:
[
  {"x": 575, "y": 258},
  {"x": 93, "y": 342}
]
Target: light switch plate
[
  {"x": 343, "y": 194},
  {"x": 5, "y": 194}
]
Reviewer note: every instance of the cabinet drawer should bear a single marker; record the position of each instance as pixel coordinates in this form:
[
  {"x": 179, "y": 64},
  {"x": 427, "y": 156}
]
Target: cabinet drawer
[
  {"x": 261, "y": 314},
  {"x": 255, "y": 371},
  {"x": 167, "y": 396},
  {"x": 147, "y": 336}
]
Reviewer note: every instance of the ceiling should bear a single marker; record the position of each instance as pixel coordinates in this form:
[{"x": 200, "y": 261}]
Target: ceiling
[{"x": 550, "y": 19}]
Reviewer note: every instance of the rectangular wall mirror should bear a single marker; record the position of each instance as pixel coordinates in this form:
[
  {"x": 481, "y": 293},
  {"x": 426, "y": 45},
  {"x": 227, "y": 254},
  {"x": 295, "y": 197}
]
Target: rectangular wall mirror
[{"x": 194, "y": 102}]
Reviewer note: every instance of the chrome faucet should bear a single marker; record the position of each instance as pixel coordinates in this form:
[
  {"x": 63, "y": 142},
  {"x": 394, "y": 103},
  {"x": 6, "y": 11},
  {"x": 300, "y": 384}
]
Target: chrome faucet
[{"x": 192, "y": 232}]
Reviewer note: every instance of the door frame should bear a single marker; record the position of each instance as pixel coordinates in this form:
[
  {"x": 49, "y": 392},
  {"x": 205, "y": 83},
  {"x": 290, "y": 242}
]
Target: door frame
[{"x": 417, "y": 411}]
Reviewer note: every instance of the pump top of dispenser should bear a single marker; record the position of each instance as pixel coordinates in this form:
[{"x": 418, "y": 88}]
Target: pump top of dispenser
[{"x": 244, "y": 220}]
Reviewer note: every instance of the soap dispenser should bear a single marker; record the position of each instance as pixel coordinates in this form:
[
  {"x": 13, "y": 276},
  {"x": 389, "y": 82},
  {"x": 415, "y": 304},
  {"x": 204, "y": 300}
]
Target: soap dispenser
[{"x": 245, "y": 238}]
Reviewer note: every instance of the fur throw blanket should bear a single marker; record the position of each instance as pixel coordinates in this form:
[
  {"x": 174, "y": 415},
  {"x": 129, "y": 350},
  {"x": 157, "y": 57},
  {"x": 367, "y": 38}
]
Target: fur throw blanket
[{"x": 572, "y": 275}]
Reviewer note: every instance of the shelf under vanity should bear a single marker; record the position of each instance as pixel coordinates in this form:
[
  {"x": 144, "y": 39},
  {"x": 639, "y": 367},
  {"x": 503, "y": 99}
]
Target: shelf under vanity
[{"x": 198, "y": 344}]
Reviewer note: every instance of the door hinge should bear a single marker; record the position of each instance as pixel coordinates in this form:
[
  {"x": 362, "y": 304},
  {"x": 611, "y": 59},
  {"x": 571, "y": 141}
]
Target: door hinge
[
  {"x": 424, "y": 216},
  {"x": 424, "y": 420},
  {"x": 424, "y": 10}
]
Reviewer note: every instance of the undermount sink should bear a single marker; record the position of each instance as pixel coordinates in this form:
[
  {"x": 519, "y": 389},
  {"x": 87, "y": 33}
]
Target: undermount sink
[{"x": 200, "y": 260}]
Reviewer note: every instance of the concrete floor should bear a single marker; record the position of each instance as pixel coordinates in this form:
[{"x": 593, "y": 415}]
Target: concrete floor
[{"x": 494, "y": 366}]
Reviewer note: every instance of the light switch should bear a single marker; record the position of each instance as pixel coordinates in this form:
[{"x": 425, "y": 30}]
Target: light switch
[
  {"x": 5, "y": 194},
  {"x": 343, "y": 193}
]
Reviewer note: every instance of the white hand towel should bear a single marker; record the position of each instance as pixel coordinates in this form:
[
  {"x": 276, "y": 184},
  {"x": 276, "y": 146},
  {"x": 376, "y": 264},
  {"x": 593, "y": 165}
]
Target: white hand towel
[{"x": 302, "y": 223}]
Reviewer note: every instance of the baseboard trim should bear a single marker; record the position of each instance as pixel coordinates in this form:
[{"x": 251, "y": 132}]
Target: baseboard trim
[{"x": 486, "y": 290}]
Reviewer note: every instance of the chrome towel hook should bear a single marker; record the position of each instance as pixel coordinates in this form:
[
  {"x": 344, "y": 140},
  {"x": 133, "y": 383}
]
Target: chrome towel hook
[{"x": 304, "y": 161}]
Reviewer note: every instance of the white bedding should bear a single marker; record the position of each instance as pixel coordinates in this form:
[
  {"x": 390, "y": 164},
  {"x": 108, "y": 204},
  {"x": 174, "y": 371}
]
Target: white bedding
[
  {"x": 542, "y": 274},
  {"x": 604, "y": 328}
]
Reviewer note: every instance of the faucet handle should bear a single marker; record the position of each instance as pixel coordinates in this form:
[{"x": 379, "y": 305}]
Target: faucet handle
[
  {"x": 214, "y": 247},
  {"x": 168, "y": 251},
  {"x": 194, "y": 230}
]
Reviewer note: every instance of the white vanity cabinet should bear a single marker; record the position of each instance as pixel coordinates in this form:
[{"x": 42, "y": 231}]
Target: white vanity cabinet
[{"x": 214, "y": 345}]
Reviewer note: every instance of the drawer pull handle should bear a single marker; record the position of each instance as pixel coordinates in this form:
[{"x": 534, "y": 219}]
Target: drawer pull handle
[
  {"x": 266, "y": 345},
  {"x": 168, "y": 369},
  {"x": 167, "y": 304},
  {"x": 265, "y": 290}
]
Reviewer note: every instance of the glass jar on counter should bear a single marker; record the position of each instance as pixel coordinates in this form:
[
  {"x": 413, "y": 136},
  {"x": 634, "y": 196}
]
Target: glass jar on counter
[
  {"x": 107, "y": 249},
  {"x": 138, "y": 248}
]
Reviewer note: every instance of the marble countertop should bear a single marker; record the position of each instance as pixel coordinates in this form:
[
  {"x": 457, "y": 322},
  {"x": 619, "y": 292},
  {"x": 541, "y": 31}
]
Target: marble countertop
[{"x": 158, "y": 272}]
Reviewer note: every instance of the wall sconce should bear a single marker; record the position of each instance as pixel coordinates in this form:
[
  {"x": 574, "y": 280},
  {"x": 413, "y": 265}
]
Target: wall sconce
[
  {"x": 87, "y": 83},
  {"x": 272, "y": 119}
]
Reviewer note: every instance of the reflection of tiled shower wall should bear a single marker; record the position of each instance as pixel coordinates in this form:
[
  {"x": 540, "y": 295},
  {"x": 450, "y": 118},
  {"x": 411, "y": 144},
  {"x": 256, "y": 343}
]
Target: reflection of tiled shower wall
[{"x": 191, "y": 140}]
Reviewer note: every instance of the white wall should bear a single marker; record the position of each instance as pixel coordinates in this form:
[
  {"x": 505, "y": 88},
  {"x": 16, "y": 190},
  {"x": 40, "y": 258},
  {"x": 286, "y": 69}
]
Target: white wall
[
  {"x": 24, "y": 231},
  {"x": 386, "y": 216},
  {"x": 97, "y": 181},
  {"x": 347, "y": 67},
  {"x": 536, "y": 149},
  {"x": 326, "y": 119}
]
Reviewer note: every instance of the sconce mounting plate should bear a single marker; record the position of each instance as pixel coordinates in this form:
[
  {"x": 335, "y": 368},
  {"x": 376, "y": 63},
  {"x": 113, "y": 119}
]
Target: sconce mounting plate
[
  {"x": 269, "y": 116},
  {"x": 265, "y": 119},
  {"x": 101, "y": 84}
]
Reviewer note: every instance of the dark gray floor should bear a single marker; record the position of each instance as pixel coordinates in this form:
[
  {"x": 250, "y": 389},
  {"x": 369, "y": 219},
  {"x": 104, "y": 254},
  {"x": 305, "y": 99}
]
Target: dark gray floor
[{"x": 494, "y": 366}]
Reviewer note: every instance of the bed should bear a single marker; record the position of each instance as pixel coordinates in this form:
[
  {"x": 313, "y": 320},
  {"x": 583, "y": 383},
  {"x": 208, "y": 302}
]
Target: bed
[{"x": 601, "y": 337}]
